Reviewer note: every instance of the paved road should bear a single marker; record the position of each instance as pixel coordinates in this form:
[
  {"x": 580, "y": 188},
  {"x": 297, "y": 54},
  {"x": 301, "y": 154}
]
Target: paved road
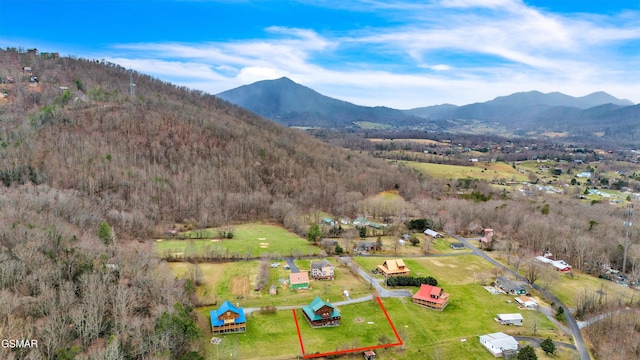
[
  {"x": 384, "y": 292},
  {"x": 581, "y": 347},
  {"x": 292, "y": 265},
  {"x": 248, "y": 311},
  {"x": 536, "y": 342}
]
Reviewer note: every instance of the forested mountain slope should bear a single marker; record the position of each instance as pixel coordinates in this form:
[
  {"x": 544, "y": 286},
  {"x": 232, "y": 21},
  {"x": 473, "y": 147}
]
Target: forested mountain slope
[{"x": 169, "y": 154}]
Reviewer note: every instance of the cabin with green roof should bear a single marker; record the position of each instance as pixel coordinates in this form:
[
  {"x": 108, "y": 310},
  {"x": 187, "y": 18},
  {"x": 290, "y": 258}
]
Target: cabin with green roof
[{"x": 321, "y": 314}]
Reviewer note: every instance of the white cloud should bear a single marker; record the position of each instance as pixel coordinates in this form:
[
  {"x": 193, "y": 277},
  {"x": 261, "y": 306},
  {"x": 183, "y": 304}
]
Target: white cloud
[{"x": 446, "y": 52}]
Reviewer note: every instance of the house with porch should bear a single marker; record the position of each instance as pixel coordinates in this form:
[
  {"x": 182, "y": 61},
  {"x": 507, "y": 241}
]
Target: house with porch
[
  {"x": 526, "y": 302},
  {"x": 321, "y": 314},
  {"x": 299, "y": 280},
  {"x": 395, "y": 267},
  {"x": 434, "y": 234},
  {"x": 322, "y": 270},
  {"x": 499, "y": 343},
  {"x": 510, "y": 286},
  {"x": 431, "y": 297},
  {"x": 228, "y": 319}
]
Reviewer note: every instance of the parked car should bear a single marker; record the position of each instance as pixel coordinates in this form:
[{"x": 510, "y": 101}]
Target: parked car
[{"x": 275, "y": 265}]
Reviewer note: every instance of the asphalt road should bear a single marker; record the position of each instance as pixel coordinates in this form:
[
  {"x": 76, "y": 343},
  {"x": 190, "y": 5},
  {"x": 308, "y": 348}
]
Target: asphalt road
[{"x": 571, "y": 321}]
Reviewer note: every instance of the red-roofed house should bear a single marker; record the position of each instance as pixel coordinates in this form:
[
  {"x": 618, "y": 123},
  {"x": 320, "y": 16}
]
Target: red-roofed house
[
  {"x": 394, "y": 268},
  {"x": 432, "y": 297},
  {"x": 299, "y": 280}
]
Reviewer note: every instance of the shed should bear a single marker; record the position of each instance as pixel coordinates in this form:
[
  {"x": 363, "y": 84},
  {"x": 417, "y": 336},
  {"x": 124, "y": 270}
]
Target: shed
[
  {"x": 509, "y": 319},
  {"x": 457, "y": 246},
  {"x": 369, "y": 355}
]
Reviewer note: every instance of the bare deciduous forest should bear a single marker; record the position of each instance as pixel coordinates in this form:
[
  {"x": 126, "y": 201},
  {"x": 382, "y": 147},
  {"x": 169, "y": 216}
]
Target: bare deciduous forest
[{"x": 76, "y": 152}]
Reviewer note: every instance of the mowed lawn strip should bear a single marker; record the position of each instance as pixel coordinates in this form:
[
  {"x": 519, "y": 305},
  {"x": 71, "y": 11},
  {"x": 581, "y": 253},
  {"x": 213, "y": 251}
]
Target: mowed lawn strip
[{"x": 249, "y": 240}]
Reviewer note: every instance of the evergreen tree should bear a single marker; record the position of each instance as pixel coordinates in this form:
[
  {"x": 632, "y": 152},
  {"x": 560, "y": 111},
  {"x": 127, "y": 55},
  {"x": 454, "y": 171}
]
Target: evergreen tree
[
  {"x": 314, "y": 233},
  {"x": 548, "y": 346},
  {"x": 527, "y": 353},
  {"x": 105, "y": 234}
]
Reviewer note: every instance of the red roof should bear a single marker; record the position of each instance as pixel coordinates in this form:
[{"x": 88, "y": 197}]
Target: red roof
[
  {"x": 299, "y": 278},
  {"x": 432, "y": 294}
]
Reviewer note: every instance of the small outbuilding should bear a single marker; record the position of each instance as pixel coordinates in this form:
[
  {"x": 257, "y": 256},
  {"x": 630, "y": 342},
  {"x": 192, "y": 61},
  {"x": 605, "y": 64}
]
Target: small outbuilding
[
  {"x": 509, "y": 319},
  {"x": 457, "y": 246}
]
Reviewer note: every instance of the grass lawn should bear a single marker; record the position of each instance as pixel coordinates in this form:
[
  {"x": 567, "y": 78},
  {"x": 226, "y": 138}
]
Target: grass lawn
[
  {"x": 227, "y": 281},
  {"x": 426, "y": 333},
  {"x": 362, "y": 324},
  {"x": 253, "y": 239}
]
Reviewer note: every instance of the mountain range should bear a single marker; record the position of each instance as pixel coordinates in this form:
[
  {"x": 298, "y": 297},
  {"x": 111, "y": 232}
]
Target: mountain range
[{"x": 292, "y": 104}]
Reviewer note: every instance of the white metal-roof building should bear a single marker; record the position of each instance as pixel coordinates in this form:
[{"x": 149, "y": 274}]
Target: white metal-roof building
[{"x": 498, "y": 342}]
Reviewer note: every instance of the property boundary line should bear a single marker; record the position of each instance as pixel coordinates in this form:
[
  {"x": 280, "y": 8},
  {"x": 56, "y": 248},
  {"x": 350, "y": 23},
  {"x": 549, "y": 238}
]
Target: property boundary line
[{"x": 354, "y": 350}]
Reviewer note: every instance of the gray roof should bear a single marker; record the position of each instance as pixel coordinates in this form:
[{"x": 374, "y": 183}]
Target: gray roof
[{"x": 320, "y": 264}]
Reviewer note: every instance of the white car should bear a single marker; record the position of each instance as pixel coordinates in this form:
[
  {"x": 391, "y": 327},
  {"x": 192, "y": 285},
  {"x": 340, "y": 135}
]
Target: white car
[{"x": 275, "y": 265}]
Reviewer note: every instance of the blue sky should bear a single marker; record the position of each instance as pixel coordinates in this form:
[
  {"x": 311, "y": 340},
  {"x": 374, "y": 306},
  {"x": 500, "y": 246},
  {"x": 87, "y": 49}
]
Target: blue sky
[{"x": 396, "y": 53}]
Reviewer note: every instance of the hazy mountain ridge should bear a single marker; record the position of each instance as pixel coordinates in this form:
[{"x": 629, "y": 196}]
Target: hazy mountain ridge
[
  {"x": 289, "y": 103},
  {"x": 292, "y": 104}
]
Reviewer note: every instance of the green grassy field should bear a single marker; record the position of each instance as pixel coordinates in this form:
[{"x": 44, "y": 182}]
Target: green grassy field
[
  {"x": 249, "y": 240},
  {"x": 469, "y": 314},
  {"x": 227, "y": 281}
]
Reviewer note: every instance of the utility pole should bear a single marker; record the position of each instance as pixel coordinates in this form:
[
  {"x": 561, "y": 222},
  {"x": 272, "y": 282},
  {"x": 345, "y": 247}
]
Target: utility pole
[{"x": 627, "y": 224}]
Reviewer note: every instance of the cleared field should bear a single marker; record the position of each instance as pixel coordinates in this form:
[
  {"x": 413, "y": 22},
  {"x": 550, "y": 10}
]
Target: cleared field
[
  {"x": 371, "y": 125},
  {"x": 416, "y": 141},
  {"x": 426, "y": 333},
  {"x": 228, "y": 281},
  {"x": 249, "y": 240},
  {"x": 477, "y": 171}
]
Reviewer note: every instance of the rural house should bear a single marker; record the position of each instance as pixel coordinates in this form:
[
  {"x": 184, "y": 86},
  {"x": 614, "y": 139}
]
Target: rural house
[
  {"x": 394, "y": 268},
  {"x": 320, "y": 313},
  {"x": 559, "y": 265},
  {"x": 228, "y": 319},
  {"x": 498, "y": 343},
  {"x": 322, "y": 270},
  {"x": 365, "y": 246},
  {"x": 432, "y": 297},
  {"x": 299, "y": 280},
  {"x": 509, "y": 286},
  {"x": 527, "y": 302},
  {"x": 434, "y": 234},
  {"x": 509, "y": 319}
]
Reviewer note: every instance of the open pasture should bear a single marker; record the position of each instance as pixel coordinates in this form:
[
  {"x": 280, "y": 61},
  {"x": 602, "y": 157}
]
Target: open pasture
[
  {"x": 480, "y": 170},
  {"x": 249, "y": 240},
  {"x": 415, "y": 141}
]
